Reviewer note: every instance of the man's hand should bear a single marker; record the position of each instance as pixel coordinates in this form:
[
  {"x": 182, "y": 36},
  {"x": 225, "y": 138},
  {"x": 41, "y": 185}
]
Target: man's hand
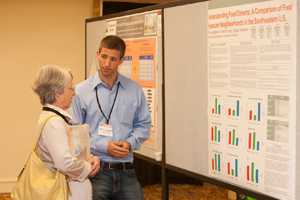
[
  {"x": 95, "y": 165},
  {"x": 118, "y": 149},
  {"x": 125, "y": 145}
]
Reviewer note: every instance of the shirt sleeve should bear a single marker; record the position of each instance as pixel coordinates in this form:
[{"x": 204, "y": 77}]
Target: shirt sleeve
[
  {"x": 77, "y": 110},
  {"x": 141, "y": 124},
  {"x": 55, "y": 139},
  {"x": 99, "y": 145}
]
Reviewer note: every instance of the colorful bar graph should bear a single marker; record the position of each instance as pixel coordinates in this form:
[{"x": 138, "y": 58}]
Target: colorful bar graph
[
  {"x": 232, "y": 137},
  {"x": 253, "y": 144},
  {"x": 234, "y": 112},
  {"x": 255, "y": 115},
  {"x": 215, "y": 134},
  {"x": 216, "y": 109},
  {"x": 216, "y": 162},
  {"x": 233, "y": 171},
  {"x": 252, "y": 173}
]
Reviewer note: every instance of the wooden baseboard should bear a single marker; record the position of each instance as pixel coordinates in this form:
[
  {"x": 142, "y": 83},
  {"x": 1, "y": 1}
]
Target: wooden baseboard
[{"x": 5, "y": 196}]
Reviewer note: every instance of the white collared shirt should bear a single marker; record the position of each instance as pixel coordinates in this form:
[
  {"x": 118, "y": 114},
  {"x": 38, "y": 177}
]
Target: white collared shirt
[{"x": 53, "y": 148}]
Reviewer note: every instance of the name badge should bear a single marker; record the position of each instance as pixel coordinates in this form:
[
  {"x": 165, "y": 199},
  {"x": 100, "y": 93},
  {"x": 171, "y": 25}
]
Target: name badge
[{"x": 105, "y": 130}]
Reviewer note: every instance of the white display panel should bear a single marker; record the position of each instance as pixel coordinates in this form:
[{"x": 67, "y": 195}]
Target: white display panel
[
  {"x": 142, "y": 63},
  {"x": 246, "y": 110},
  {"x": 186, "y": 87}
]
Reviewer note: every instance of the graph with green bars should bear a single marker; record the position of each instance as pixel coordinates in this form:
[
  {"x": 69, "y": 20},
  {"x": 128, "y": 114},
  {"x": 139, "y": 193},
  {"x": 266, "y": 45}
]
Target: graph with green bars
[
  {"x": 216, "y": 162},
  {"x": 232, "y": 137},
  {"x": 233, "y": 167},
  {"x": 215, "y": 132},
  {"x": 255, "y": 110},
  {"x": 253, "y": 142},
  {"x": 233, "y": 108},
  {"x": 252, "y": 173},
  {"x": 216, "y": 108}
]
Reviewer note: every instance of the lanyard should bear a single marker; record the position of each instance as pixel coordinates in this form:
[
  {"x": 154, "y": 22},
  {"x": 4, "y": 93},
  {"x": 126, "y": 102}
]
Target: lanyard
[
  {"x": 58, "y": 113},
  {"x": 112, "y": 107}
]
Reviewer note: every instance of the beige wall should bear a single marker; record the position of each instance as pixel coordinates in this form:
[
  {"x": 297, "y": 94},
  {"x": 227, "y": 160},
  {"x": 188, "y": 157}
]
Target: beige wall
[{"x": 33, "y": 33}]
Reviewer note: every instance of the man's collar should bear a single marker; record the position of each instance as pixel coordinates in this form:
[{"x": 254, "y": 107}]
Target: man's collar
[{"x": 97, "y": 81}]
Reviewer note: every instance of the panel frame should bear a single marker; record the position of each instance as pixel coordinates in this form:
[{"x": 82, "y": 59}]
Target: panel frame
[{"x": 190, "y": 173}]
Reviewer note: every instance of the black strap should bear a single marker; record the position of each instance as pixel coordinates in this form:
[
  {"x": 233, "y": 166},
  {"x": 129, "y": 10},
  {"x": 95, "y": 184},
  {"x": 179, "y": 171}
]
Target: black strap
[
  {"x": 58, "y": 113},
  {"x": 112, "y": 107}
]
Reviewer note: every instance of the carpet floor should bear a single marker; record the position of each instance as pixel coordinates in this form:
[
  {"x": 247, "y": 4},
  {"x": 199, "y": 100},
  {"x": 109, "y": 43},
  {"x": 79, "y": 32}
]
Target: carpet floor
[{"x": 177, "y": 192}]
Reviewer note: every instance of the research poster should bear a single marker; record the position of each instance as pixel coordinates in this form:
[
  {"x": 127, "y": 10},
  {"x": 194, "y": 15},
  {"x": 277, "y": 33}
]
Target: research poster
[
  {"x": 251, "y": 96},
  {"x": 141, "y": 33}
]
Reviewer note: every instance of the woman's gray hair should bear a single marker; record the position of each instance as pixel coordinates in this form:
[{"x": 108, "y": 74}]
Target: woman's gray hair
[{"x": 51, "y": 80}]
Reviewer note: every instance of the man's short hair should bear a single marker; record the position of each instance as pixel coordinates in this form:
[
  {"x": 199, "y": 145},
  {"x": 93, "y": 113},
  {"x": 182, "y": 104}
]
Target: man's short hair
[{"x": 113, "y": 42}]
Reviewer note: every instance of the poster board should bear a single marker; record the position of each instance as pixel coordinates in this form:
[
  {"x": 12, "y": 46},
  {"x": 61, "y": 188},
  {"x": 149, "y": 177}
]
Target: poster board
[
  {"x": 231, "y": 103},
  {"x": 231, "y": 93},
  {"x": 142, "y": 62}
]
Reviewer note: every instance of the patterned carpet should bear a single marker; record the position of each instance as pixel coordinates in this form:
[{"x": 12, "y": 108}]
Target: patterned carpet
[
  {"x": 187, "y": 192},
  {"x": 178, "y": 192}
]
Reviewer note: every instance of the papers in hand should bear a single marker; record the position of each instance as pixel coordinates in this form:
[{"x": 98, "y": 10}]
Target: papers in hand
[{"x": 79, "y": 141}]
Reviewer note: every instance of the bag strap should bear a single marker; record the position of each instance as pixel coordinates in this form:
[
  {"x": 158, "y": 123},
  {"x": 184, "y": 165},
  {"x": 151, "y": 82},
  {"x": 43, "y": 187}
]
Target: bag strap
[
  {"x": 41, "y": 127},
  {"x": 45, "y": 108}
]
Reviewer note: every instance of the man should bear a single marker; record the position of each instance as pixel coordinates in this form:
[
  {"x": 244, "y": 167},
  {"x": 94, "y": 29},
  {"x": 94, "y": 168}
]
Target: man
[{"x": 117, "y": 113}]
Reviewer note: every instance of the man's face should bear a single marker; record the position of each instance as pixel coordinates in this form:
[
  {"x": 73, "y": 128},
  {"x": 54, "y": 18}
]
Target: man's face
[{"x": 109, "y": 61}]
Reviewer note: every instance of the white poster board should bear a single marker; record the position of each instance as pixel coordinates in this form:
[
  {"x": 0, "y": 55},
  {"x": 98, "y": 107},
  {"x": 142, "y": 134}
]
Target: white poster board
[
  {"x": 142, "y": 62},
  {"x": 231, "y": 93}
]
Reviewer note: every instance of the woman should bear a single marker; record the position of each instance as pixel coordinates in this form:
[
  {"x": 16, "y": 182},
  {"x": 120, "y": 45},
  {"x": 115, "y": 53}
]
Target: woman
[{"x": 55, "y": 89}]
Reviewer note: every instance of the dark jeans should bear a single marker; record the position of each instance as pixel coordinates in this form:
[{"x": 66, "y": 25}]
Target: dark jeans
[{"x": 116, "y": 185}]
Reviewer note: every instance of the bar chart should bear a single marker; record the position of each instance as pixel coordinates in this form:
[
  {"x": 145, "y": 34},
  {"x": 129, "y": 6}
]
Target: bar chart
[
  {"x": 252, "y": 173},
  {"x": 233, "y": 107},
  {"x": 233, "y": 167},
  {"x": 255, "y": 110},
  {"x": 254, "y": 144},
  {"x": 232, "y": 137},
  {"x": 215, "y": 134},
  {"x": 216, "y": 162},
  {"x": 216, "y": 106}
]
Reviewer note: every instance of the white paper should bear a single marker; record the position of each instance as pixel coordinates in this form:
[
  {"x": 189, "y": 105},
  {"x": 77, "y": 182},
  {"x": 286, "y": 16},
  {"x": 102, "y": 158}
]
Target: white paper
[{"x": 251, "y": 77}]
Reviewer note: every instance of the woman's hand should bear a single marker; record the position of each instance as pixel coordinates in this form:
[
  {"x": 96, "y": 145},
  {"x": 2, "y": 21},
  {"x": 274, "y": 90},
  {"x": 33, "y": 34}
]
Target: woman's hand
[{"x": 95, "y": 165}]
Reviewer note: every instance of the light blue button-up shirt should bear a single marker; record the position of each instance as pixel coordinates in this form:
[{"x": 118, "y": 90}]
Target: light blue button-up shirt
[{"x": 130, "y": 118}]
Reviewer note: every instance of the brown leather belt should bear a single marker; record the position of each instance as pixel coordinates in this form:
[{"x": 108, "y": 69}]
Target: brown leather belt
[{"x": 116, "y": 166}]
